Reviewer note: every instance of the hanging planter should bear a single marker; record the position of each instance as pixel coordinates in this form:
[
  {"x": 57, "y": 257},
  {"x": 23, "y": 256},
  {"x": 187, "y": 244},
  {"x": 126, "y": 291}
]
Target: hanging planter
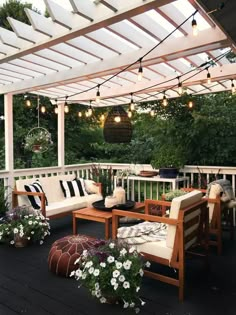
[
  {"x": 38, "y": 140},
  {"x": 117, "y": 127}
]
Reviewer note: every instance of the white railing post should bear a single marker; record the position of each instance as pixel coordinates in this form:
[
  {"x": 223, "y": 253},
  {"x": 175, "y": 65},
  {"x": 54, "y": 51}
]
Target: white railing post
[{"x": 61, "y": 137}]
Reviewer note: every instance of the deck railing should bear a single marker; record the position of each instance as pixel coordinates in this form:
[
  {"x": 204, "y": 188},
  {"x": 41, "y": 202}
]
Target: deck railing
[{"x": 199, "y": 176}]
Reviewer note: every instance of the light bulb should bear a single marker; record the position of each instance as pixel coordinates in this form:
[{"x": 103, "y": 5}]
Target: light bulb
[
  {"x": 132, "y": 106},
  {"x": 152, "y": 112},
  {"x": 129, "y": 113},
  {"x": 117, "y": 119},
  {"x": 194, "y": 27},
  {"x": 43, "y": 109},
  {"x": 79, "y": 114},
  {"x": 90, "y": 111},
  {"x": 208, "y": 78},
  {"x": 140, "y": 73},
  {"x": 28, "y": 103},
  {"x": 66, "y": 109},
  {"x": 87, "y": 114},
  {"x": 56, "y": 110},
  {"x": 180, "y": 88},
  {"x": 190, "y": 104},
  {"x": 97, "y": 96},
  {"x": 164, "y": 101},
  {"x": 102, "y": 117},
  {"x": 232, "y": 87}
]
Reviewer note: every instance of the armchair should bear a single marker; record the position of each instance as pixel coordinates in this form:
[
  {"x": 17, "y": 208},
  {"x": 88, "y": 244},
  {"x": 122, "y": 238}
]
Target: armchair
[{"x": 187, "y": 225}]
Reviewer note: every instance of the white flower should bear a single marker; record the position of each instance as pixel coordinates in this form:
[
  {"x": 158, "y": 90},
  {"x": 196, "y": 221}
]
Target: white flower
[
  {"x": 41, "y": 242},
  {"x": 12, "y": 242},
  {"x": 115, "y": 273},
  {"x": 15, "y": 231},
  {"x": 72, "y": 273},
  {"x": 142, "y": 302},
  {"x": 91, "y": 270},
  {"x": 126, "y": 285},
  {"x": 85, "y": 252},
  {"x": 137, "y": 289},
  {"x": 110, "y": 259},
  {"x": 98, "y": 294},
  {"x": 88, "y": 264},
  {"x": 32, "y": 232},
  {"x": 103, "y": 299},
  {"x": 30, "y": 222},
  {"x": 96, "y": 272},
  {"x": 127, "y": 264},
  {"x": 111, "y": 245},
  {"x": 21, "y": 234},
  {"x": 121, "y": 278},
  {"x": 141, "y": 272},
  {"x": 123, "y": 252},
  {"x": 78, "y": 273},
  {"x": 113, "y": 281},
  {"x": 118, "y": 264},
  {"x": 126, "y": 304},
  {"x": 77, "y": 260},
  {"x": 115, "y": 286},
  {"x": 84, "y": 276},
  {"x": 148, "y": 264},
  {"x": 96, "y": 286},
  {"x": 132, "y": 249},
  {"x": 132, "y": 304},
  {"x": 103, "y": 265},
  {"x": 28, "y": 238},
  {"x": 137, "y": 310}
]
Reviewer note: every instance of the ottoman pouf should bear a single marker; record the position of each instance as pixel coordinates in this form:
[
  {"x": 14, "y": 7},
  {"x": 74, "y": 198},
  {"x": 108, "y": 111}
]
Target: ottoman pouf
[{"x": 66, "y": 250}]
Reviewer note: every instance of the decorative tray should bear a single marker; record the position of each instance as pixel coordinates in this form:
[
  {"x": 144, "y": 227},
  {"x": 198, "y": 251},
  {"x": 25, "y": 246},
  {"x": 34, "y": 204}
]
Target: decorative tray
[
  {"x": 148, "y": 173},
  {"x": 99, "y": 205}
]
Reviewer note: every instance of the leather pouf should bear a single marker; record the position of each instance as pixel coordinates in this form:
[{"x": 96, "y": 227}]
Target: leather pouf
[{"x": 66, "y": 250}]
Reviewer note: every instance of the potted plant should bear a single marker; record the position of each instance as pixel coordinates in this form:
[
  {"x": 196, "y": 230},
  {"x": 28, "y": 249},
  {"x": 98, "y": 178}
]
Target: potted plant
[
  {"x": 112, "y": 272},
  {"x": 169, "y": 159},
  {"x": 22, "y": 225},
  {"x": 38, "y": 140},
  {"x": 4, "y": 205},
  {"x": 103, "y": 176}
]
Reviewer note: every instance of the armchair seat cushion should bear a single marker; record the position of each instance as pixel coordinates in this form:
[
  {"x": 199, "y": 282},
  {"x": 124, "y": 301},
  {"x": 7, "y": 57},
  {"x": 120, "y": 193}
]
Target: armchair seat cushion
[{"x": 156, "y": 249}]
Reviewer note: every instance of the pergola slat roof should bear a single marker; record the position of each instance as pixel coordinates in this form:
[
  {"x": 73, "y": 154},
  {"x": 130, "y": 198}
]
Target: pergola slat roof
[{"x": 73, "y": 51}]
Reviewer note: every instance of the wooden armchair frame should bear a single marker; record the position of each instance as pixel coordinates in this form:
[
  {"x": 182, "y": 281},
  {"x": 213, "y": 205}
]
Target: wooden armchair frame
[
  {"x": 177, "y": 260},
  {"x": 215, "y": 225}
]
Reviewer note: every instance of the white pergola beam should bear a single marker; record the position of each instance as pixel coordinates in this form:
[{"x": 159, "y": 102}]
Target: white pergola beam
[
  {"x": 61, "y": 34},
  {"x": 212, "y": 38}
]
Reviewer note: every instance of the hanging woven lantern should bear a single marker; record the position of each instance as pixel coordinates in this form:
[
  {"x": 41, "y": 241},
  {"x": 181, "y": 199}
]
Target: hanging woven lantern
[{"x": 117, "y": 127}]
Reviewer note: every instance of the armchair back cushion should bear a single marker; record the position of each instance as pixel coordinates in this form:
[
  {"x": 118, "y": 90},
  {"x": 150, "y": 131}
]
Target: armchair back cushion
[{"x": 177, "y": 204}]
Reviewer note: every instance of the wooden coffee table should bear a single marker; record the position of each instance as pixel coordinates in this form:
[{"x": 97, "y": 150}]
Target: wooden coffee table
[{"x": 93, "y": 214}]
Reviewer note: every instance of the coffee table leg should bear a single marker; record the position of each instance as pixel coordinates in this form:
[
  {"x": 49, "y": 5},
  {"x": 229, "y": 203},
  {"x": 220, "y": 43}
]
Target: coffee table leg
[
  {"x": 74, "y": 225},
  {"x": 107, "y": 229}
]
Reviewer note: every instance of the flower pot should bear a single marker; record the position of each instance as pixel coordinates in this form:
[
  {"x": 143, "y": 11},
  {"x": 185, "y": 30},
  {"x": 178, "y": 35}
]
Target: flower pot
[
  {"x": 36, "y": 148},
  {"x": 168, "y": 172},
  {"x": 20, "y": 241}
]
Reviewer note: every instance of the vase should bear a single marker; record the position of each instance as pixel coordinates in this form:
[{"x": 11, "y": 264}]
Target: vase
[
  {"x": 36, "y": 148},
  {"x": 20, "y": 241}
]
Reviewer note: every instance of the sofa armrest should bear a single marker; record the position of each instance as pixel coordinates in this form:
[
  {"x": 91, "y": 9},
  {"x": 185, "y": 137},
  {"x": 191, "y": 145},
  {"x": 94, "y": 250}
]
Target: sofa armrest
[
  {"x": 16, "y": 193},
  {"x": 143, "y": 216}
]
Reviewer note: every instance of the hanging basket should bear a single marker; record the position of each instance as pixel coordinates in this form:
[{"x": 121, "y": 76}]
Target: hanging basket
[
  {"x": 38, "y": 140},
  {"x": 117, "y": 132}
]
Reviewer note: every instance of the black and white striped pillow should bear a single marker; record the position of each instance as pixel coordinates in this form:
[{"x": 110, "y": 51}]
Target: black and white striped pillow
[
  {"x": 35, "y": 200},
  {"x": 73, "y": 188}
]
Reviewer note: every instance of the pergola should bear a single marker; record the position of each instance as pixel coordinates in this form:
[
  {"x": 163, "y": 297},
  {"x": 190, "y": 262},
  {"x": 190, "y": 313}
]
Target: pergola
[{"x": 100, "y": 46}]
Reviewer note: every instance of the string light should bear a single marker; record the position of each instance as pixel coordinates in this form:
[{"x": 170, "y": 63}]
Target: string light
[
  {"x": 117, "y": 117},
  {"x": 102, "y": 118},
  {"x": 152, "y": 112},
  {"x": 132, "y": 106},
  {"x": 90, "y": 110},
  {"x": 180, "y": 88},
  {"x": 232, "y": 86},
  {"x": 86, "y": 114},
  {"x": 66, "y": 108},
  {"x": 129, "y": 113},
  {"x": 140, "y": 70},
  {"x": 43, "y": 109},
  {"x": 79, "y": 114},
  {"x": 56, "y": 110},
  {"x": 194, "y": 27},
  {"x": 208, "y": 76},
  {"x": 190, "y": 102},
  {"x": 164, "y": 101},
  {"x": 98, "y": 95}
]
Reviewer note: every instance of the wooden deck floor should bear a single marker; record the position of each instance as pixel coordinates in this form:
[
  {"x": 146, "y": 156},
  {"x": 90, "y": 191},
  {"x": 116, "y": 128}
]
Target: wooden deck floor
[{"x": 27, "y": 287}]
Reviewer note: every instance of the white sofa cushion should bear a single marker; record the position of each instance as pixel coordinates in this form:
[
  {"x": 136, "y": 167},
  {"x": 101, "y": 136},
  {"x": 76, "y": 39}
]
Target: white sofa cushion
[
  {"x": 91, "y": 187},
  {"x": 70, "y": 204},
  {"x": 177, "y": 204},
  {"x": 156, "y": 249}
]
